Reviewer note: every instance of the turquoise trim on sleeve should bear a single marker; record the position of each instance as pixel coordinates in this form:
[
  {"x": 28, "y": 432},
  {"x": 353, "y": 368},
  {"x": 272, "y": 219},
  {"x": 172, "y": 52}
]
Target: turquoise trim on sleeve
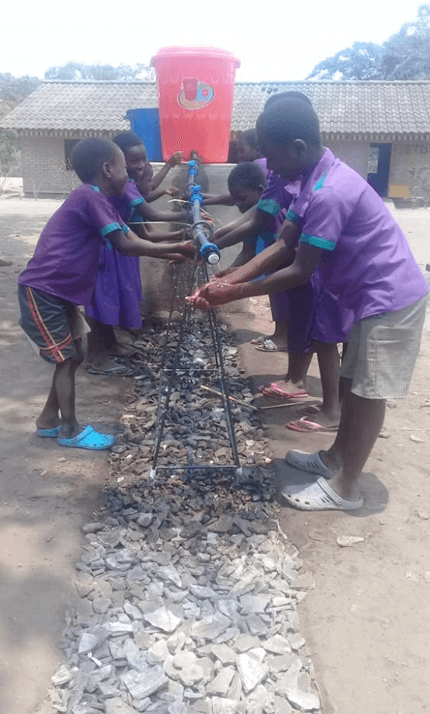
[
  {"x": 269, "y": 205},
  {"x": 320, "y": 183},
  {"x": 109, "y": 228},
  {"x": 125, "y": 229},
  {"x": 136, "y": 202},
  {"x": 291, "y": 216},
  {"x": 318, "y": 242}
]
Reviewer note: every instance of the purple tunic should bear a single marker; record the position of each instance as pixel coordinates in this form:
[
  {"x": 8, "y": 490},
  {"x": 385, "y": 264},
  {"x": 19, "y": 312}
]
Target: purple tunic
[
  {"x": 294, "y": 306},
  {"x": 118, "y": 290},
  {"x": 366, "y": 262},
  {"x": 66, "y": 256}
]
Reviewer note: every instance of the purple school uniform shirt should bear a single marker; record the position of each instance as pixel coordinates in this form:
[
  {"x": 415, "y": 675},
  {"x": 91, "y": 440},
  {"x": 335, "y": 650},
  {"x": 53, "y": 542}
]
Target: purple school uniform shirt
[
  {"x": 66, "y": 257},
  {"x": 275, "y": 200},
  {"x": 366, "y": 258},
  {"x": 127, "y": 203}
]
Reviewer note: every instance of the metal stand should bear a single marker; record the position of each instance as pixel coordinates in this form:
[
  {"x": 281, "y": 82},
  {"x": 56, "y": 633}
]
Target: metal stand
[{"x": 201, "y": 235}]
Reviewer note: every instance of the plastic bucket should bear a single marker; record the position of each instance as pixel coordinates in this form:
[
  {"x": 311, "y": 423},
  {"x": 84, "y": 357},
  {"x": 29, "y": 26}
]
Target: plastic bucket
[
  {"x": 146, "y": 124},
  {"x": 195, "y": 88}
]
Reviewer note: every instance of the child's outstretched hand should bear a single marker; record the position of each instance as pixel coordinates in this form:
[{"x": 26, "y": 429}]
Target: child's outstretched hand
[
  {"x": 222, "y": 274},
  {"x": 175, "y": 159},
  {"x": 213, "y": 294},
  {"x": 184, "y": 252},
  {"x": 188, "y": 249},
  {"x": 172, "y": 191}
]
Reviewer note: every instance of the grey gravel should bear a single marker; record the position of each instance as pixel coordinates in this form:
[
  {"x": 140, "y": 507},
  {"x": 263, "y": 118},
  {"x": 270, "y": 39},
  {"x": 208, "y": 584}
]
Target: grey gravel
[{"x": 188, "y": 587}]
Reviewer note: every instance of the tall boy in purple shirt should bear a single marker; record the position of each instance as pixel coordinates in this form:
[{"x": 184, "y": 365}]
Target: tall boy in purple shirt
[
  {"x": 345, "y": 229},
  {"x": 62, "y": 275}
]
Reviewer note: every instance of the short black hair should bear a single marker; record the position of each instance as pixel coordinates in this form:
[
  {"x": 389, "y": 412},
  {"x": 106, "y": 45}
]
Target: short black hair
[
  {"x": 249, "y": 137},
  {"x": 88, "y": 156},
  {"x": 127, "y": 139},
  {"x": 247, "y": 175},
  {"x": 293, "y": 94},
  {"x": 289, "y": 119}
]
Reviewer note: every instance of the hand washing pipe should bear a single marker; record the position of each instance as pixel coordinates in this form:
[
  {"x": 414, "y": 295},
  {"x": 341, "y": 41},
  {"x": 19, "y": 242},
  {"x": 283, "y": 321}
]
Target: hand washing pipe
[{"x": 201, "y": 230}]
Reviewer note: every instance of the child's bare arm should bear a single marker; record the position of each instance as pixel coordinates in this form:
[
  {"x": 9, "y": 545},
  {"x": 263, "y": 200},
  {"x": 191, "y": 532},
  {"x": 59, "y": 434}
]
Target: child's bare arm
[
  {"x": 158, "y": 237},
  {"x": 174, "y": 160},
  {"x": 150, "y": 214},
  {"x": 131, "y": 244},
  {"x": 222, "y": 200},
  {"x": 168, "y": 191},
  {"x": 270, "y": 258},
  {"x": 246, "y": 254},
  {"x": 221, "y": 292},
  {"x": 247, "y": 218}
]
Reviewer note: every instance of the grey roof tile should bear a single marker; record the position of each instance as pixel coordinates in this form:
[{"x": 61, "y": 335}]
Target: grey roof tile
[{"x": 343, "y": 107}]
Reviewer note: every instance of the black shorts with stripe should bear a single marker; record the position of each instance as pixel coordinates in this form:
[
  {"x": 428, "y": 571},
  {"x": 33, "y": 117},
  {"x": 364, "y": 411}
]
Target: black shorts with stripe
[{"x": 46, "y": 319}]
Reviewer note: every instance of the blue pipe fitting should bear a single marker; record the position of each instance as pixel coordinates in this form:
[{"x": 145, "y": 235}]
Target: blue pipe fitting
[
  {"x": 210, "y": 253},
  {"x": 195, "y": 194},
  {"x": 193, "y": 167}
]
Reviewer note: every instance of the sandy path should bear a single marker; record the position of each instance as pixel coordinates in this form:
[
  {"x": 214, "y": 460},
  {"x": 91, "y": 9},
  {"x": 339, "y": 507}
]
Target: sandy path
[{"x": 366, "y": 620}]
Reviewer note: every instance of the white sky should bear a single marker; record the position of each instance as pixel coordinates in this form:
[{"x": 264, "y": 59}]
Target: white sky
[{"x": 279, "y": 41}]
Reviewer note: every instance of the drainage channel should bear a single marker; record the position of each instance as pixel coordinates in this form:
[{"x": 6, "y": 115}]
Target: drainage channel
[{"x": 188, "y": 588}]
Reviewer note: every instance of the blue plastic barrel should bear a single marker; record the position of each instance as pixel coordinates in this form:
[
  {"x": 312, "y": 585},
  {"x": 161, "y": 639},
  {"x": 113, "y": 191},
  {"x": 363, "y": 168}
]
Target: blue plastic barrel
[{"x": 146, "y": 124}]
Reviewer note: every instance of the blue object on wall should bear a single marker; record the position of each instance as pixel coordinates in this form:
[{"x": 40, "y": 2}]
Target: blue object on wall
[{"x": 146, "y": 124}]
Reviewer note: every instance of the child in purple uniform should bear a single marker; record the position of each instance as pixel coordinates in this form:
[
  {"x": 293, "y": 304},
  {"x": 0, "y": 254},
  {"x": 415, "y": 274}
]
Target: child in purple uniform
[
  {"x": 118, "y": 291},
  {"x": 364, "y": 258},
  {"x": 62, "y": 275},
  {"x": 290, "y": 311},
  {"x": 141, "y": 171}
]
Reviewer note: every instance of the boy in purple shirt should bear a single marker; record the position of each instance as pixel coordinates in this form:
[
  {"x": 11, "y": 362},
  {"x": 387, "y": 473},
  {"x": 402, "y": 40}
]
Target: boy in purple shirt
[
  {"x": 62, "y": 274},
  {"x": 363, "y": 257}
]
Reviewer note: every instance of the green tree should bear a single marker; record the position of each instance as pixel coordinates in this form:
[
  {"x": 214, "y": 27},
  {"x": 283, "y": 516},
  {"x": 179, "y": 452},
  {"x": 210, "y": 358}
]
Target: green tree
[
  {"x": 15, "y": 89},
  {"x": 78, "y": 71},
  {"x": 405, "y": 55},
  {"x": 364, "y": 60},
  {"x": 9, "y": 147}
]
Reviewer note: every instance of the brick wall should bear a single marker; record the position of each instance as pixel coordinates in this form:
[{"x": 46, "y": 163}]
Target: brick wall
[
  {"x": 410, "y": 171},
  {"x": 355, "y": 154},
  {"x": 43, "y": 166}
]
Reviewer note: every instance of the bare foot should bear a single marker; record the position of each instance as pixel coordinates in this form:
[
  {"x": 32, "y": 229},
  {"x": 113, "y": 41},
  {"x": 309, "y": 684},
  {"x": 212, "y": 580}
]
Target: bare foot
[{"x": 323, "y": 418}]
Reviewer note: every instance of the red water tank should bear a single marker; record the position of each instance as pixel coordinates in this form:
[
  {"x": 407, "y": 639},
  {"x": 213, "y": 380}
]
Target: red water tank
[{"x": 195, "y": 88}]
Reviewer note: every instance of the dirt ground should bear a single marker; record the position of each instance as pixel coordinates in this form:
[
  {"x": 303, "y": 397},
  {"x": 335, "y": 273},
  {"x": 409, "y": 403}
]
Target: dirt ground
[{"x": 366, "y": 618}]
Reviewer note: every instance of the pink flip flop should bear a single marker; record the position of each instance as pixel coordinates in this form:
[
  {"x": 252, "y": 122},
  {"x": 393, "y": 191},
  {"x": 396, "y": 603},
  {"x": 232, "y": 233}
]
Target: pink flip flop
[
  {"x": 274, "y": 391},
  {"x": 269, "y": 346},
  {"x": 305, "y": 426}
]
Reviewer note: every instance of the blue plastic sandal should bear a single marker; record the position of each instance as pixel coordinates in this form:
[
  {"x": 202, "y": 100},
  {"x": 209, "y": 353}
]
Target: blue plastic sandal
[
  {"x": 89, "y": 438},
  {"x": 53, "y": 433}
]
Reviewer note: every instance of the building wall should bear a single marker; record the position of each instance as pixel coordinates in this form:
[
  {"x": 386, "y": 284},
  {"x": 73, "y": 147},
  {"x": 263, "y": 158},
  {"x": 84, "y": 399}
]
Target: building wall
[
  {"x": 355, "y": 154},
  {"x": 43, "y": 166},
  {"x": 410, "y": 171}
]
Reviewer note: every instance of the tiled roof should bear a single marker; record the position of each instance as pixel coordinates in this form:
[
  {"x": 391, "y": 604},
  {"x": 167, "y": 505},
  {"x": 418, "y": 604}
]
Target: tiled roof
[
  {"x": 344, "y": 108},
  {"x": 352, "y": 108},
  {"x": 83, "y": 107}
]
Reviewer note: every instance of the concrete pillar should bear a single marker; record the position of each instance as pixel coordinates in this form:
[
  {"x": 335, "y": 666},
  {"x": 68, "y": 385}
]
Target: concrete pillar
[{"x": 158, "y": 276}]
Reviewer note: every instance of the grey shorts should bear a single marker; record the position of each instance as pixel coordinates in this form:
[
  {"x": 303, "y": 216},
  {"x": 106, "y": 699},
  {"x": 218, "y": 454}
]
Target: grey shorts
[{"x": 382, "y": 352}]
